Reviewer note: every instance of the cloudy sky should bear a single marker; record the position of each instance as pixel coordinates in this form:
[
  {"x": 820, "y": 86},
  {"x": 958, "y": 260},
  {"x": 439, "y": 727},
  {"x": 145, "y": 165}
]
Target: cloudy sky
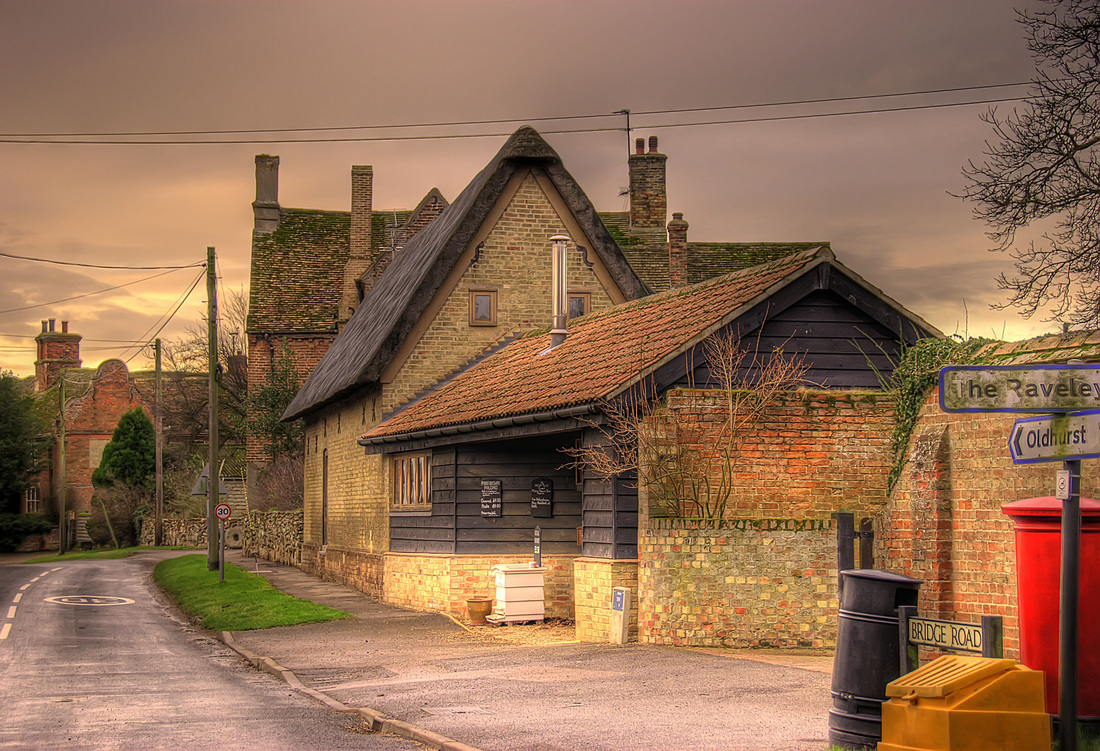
[{"x": 877, "y": 186}]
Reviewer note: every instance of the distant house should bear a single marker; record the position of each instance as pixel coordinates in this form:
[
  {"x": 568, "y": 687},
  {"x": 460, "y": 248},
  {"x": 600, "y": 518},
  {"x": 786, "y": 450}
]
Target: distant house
[{"x": 512, "y": 416}]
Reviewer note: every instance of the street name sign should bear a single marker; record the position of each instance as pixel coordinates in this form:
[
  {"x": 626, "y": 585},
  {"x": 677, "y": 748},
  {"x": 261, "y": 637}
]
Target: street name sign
[
  {"x": 929, "y": 632},
  {"x": 1022, "y": 388},
  {"x": 1055, "y": 438}
]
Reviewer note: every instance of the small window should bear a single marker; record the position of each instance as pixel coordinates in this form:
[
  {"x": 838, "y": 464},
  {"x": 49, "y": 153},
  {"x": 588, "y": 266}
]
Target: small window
[
  {"x": 33, "y": 502},
  {"x": 580, "y": 303},
  {"x": 412, "y": 482},
  {"x": 483, "y": 308}
]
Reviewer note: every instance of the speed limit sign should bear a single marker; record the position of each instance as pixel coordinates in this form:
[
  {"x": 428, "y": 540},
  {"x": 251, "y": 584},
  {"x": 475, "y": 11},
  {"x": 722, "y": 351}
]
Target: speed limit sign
[{"x": 222, "y": 511}]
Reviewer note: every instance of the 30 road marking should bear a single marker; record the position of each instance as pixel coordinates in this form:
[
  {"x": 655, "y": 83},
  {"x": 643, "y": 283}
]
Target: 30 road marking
[
  {"x": 5, "y": 630},
  {"x": 95, "y": 600}
]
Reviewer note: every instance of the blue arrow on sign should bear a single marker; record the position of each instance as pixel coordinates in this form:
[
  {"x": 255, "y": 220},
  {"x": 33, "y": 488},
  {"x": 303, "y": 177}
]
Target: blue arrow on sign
[{"x": 1055, "y": 438}]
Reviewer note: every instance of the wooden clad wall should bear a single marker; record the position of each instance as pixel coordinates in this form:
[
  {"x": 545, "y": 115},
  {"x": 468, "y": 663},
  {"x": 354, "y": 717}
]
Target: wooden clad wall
[
  {"x": 840, "y": 343},
  {"x": 610, "y": 510}
]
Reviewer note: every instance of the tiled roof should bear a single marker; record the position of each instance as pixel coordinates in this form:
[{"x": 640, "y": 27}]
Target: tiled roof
[
  {"x": 396, "y": 301},
  {"x": 604, "y": 352},
  {"x": 1052, "y": 348},
  {"x": 298, "y": 271},
  {"x": 707, "y": 260}
]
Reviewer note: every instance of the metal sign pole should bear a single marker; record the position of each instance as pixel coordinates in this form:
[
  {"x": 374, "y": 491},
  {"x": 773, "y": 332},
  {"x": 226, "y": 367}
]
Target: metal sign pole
[
  {"x": 1067, "y": 627},
  {"x": 221, "y": 551}
]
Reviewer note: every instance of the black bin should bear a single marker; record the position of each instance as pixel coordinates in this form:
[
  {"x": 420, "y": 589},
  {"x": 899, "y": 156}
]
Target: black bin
[{"x": 867, "y": 652}]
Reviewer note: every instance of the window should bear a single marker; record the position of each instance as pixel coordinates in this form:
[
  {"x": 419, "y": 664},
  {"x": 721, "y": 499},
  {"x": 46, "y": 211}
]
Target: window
[
  {"x": 580, "y": 303},
  {"x": 412, "y": 482},
  {"x": 33, "y": 502},
  {"x": 483, "y": 307}
]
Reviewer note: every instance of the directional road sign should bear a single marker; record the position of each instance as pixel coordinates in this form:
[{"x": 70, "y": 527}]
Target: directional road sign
[
  {"x": 1055, "y": 438},
  {"x": 1023, "y": 388}
]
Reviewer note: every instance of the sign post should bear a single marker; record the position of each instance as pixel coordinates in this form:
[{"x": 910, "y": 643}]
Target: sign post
[
  {"x": 1072, "y": 433},
  {"x": 223, "y": 512}
]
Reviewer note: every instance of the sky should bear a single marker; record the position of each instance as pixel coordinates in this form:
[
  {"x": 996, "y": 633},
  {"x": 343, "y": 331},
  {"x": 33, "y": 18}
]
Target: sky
[{"x": 878, "y": 187}]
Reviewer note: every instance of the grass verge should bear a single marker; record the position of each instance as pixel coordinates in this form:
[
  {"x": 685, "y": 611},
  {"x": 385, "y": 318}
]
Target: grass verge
[
  {"x": 243, "y": 602},
  {"x": 84, "y": 555}
]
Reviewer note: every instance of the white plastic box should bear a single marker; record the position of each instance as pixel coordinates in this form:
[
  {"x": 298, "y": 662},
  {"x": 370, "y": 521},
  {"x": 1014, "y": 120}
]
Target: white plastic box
[{"x": 519, "y": 595}]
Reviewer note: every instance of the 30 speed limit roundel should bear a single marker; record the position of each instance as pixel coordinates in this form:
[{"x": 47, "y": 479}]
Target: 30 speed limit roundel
[{"x": 222, "y": 511}]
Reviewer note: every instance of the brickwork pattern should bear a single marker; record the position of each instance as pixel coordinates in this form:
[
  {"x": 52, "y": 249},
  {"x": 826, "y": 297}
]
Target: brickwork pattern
[
  {"x": 943, "y": 523},
  {"x": 746, "y": 583},
  {"x": 594, "y": 582},
  {"x": 813, "y": 453},
  {"x": 443, "y": 583},
  {"x": 515, "y": 262},
  {"x": 361, "y": 571}
]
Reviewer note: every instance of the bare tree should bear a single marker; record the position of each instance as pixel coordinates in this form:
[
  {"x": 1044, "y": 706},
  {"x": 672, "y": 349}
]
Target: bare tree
[
  {"x": 684, "y": 451},
  {"x": 1044, "y": 166}
]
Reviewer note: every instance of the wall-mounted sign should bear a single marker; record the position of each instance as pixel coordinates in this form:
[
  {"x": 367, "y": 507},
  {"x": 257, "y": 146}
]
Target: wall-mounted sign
[
  {"x": 542, "y": 497},
  {"x": 492, "y": 497}
]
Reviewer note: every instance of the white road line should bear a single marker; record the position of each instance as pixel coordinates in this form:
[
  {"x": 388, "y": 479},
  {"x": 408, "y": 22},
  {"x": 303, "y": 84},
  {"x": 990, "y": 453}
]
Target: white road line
[
  {"x": 57, "y": 569},
  {"x": 24, "y": 587},
  {"x": 11, "y": 612},
  {"x": 5, "y": 630},
  {"x": 35, "y": 579},
  {"x": 18, "y": 597},
  {"x": 44, "y": 573}
]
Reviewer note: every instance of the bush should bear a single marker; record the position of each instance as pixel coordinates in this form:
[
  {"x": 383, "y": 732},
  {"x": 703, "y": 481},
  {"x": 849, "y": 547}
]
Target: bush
[
  {"x": 279, "y": 487},
  {"x": 117, "y": 513},
  {"x": 14, "y": 528}
]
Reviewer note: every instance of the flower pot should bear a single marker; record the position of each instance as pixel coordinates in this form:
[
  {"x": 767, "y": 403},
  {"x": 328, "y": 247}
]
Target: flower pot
[{"x": 478, "y": 608}]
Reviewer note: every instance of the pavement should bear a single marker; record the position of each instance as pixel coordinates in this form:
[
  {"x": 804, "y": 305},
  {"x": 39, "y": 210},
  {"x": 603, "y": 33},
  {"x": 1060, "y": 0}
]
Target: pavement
[
  {"x": 449, "y": 685},
  {"x": 456, "y": 687}
]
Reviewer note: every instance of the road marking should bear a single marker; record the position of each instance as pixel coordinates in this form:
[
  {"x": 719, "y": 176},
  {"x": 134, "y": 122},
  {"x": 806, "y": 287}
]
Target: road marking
[
  {"x": 94, "y": 600},
  {"x": 11, "y": 612},
  {"x": 5, "y": 630},
  {"x": 25, "y": 586},
  {"x": 18, "y": 597}
]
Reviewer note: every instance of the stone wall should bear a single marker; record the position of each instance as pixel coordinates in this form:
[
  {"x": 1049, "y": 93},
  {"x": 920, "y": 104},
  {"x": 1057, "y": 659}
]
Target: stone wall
[
  {"x": 178, "y": 533},
  {"x": 274, "y": 536},
  {"x": 741, "y": 583}
]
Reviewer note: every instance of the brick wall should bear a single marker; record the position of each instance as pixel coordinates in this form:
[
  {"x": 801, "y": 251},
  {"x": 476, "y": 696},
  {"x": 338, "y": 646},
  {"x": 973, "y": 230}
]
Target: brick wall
[
  {"x": 362, "y": 571},
  {"x": 443, "y": 583},
  {"x": 743, "y": 583},
  {"x": 943, "y": 523},
  {"x": 594, "y": 582},
  {"x": 515, "y": 262}
]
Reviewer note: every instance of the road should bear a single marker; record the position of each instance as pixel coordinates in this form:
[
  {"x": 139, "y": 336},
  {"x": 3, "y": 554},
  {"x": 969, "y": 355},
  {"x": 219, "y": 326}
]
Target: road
[{"x": 91, "y": 657}]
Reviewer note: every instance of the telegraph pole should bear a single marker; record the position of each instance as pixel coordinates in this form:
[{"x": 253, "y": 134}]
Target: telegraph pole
[
  {"x": 158, "y": 538},
  {"x": 212, "y": 557},
  {"x": 62, "y": 525}
]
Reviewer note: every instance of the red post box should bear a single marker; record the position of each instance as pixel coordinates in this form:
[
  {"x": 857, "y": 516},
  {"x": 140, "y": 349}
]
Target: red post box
[{"x": 1038, "y": 571}]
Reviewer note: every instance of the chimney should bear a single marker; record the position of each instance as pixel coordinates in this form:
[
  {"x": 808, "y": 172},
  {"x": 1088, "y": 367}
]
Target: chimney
[
  {"x": 360, "y": 249},
  {"x": 559, "y": 272},
  {"x": 265, "y": 209},
  {"x": 56, "y": 350},
  {"x": 677, "y": 251},
  {"x": 648, "y": 199}
]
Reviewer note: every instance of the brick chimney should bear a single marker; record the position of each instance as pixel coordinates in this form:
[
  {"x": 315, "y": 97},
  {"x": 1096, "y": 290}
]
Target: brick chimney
[
  {"x": 648, "y": 198},
  {"x": 360, "y": 250},
  {"x": 265, "y": 209},
  {"x": 677, "y": 251},
  {"x": 56, "y": 350}
]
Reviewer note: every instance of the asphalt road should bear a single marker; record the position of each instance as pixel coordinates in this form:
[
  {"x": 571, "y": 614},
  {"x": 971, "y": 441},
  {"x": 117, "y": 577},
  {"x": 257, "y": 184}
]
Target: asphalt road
[{"x": 91, "y": 657}]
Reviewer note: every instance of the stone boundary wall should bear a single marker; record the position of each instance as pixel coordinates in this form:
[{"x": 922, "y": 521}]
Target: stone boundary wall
[
  {"x": 741, "y": 583},
  {"x": 594, "y": 581},
  {"x": 442, "y": 583},
  {"x": 274, "y": 536},
  {"x": 181, "y": 533}
]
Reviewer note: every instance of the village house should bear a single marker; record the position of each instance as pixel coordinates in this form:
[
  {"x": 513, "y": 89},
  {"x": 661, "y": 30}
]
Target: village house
[{"x": 475, "y": 281}]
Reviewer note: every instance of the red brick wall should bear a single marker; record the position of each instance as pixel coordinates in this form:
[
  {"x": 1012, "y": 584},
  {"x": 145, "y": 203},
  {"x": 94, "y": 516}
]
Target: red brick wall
[{"x": 943, "y": 523}]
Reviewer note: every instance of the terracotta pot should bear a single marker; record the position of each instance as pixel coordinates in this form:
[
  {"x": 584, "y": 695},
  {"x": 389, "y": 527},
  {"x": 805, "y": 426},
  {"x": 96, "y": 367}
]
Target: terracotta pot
[{"x": 478, "y": 608}]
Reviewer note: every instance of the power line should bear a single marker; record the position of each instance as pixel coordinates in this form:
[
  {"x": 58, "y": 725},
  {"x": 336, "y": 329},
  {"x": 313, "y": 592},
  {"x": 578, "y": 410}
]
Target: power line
[
  {"x": 87, "y": 294},
  {"x": 99, "y": 266},
  {"x": 179, "y": 304},
  {"x": 122, "y": 138}
]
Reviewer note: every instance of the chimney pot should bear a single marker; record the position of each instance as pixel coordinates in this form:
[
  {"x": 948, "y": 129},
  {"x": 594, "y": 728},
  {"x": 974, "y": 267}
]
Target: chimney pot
[
  {"x": 44, "y": 326},
  {"x": 52, "y": 320},
  {"x": 639, "y": 146},
  {"x": 653, "y": 144},
  {"x": 64, "y": 327}
]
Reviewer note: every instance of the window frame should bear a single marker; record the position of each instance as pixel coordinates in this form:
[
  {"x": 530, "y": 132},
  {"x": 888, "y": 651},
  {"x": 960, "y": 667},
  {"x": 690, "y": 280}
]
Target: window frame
[
  {"x": 585, "y": 296},
  {"x": 28, "y": 492},
  {"x": 492, "y": 295},
  {"x": 409, "y": 470}
]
